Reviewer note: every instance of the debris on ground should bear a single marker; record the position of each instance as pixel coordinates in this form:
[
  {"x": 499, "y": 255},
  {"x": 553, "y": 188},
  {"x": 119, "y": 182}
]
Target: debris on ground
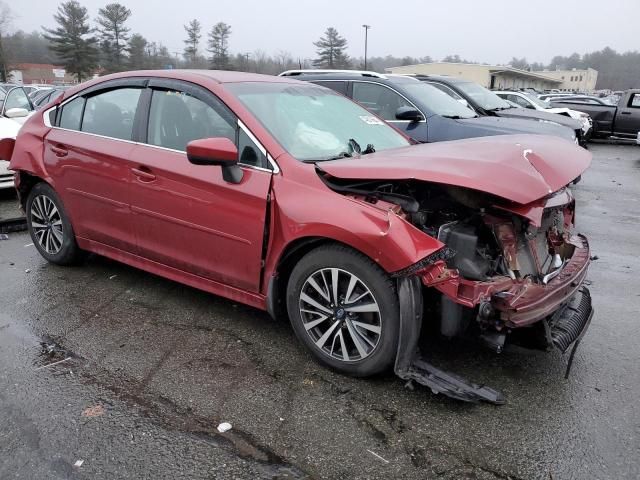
[
  {"x": 378, "y": 456},
  {"x": 224, "y": 427},
  {"x": 112, "y": 277},
  {"x": 78, "y": 463},
  {"x": 54, "y": 363},
  {"x": 4, "y": 236},
  {"x": 95, "y": 411}
]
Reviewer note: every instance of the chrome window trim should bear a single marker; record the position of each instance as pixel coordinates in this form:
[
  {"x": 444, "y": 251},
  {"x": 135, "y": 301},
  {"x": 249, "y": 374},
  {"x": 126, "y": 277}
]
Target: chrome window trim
[
  {"x": 393, "y": 90},
  {"x": 272, "y": 162}
]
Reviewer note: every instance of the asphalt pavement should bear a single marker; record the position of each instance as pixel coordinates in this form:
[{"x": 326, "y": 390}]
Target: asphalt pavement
[{"x": 110, "y": 372}]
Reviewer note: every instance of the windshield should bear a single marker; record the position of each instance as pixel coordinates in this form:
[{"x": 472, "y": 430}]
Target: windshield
[
  {"x": 537, "y": 101},
  {"x": 437, "y": 101},
  {"x": 483, "y": 97},
  {"x": 314, "y": 123}
]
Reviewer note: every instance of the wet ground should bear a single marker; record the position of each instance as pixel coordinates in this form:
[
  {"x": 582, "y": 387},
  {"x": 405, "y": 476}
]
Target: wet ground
[{"x": 109, "y": 372}]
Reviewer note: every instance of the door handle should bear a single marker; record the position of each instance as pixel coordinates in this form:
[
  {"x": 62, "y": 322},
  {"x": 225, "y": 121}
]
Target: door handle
[
  {"x": 143, "y": 174},
  {"x": 625, "y": 113},
  {"x": 59, "y": 151}
]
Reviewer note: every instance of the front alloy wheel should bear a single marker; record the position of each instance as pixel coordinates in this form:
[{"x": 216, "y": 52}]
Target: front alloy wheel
[
  {"x": 344, "y": 308},
  {"x": 340, "y": 314}
]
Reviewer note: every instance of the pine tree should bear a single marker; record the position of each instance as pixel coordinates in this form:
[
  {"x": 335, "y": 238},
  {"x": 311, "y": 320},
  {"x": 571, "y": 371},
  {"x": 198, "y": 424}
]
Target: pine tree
[
  {"x": 137, "y": 52},
  {"x": 219, "y": 46},
  {"x": 71, "y": 42},
  {"x": 331, "y": 50},
  {"x": 115, "y": 34},
  {"x": 193, "y": 29}
]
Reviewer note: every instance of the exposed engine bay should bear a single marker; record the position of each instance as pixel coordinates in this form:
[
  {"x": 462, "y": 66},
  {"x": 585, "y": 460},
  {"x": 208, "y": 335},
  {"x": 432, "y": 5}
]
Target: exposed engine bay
[{"x": 496, "y": 252}]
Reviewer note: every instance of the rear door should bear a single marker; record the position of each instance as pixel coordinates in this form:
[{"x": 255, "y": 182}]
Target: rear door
[
  {"x": 186, "y": 216},
  {"x": 628, "y": 118},
  {"x": 87, "y": 154}
]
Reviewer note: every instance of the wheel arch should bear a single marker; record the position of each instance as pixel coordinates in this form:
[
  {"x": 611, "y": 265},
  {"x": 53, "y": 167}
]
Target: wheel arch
[
  {"x": 290, "y": 256},
  {"x": 25, "y": 182}
]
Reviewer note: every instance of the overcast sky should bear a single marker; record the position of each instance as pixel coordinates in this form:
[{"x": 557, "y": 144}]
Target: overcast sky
[{"x": 484, "y": 31}]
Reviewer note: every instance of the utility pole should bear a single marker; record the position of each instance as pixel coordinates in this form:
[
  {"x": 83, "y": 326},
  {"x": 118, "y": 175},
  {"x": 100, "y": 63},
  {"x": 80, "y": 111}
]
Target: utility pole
[{"x": 366, "y": 39}]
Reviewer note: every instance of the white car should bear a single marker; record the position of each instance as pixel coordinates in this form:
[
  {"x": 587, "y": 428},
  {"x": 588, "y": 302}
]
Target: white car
[
  {"x": 15, "y": 108},
  {"x": 531, "y": 101}
]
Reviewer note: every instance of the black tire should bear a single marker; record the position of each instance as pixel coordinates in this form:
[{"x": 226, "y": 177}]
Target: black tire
[
  {"x": 68, "y": 252},
  {"x": 382, "y": 292}
]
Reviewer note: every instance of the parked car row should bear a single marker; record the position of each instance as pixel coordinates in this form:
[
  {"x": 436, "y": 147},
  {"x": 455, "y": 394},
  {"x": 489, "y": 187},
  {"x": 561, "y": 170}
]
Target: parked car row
[
  {"x": 301, "y": 202},
  {"x": 424, "y": 110},
  {"x": 15, "y": 108},
  {"x": 621, "y": 120},
  {"x": 532, "y": 102}
]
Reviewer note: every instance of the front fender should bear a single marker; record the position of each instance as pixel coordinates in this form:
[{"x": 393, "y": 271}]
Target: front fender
[{"x": 300, "y": 211}]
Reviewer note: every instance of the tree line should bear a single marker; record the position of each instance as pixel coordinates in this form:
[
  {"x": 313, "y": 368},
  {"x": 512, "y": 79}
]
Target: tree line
[{"x": 106, "y": 44}]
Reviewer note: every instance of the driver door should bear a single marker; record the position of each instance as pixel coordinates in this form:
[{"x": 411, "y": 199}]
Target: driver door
[
  {"x": 187, "y": 216},
  {"x": 385, "y": 102},
  {"x": 628, "y": 120}
]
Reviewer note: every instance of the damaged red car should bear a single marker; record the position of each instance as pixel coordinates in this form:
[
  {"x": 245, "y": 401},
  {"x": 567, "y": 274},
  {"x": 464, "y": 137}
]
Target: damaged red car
[{"x": 291, "y": 198}]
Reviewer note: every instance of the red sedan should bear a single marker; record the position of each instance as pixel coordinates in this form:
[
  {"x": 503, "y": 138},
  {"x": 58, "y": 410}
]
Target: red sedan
[{"x": 291, "y": 198}]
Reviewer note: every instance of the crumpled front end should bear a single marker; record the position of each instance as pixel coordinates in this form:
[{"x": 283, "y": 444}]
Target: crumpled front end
[{"x": 514, "y": 270}]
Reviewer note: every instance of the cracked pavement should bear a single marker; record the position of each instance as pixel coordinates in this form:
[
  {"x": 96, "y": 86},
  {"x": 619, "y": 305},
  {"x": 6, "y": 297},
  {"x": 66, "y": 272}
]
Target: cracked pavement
[{"x": 147, "y": 369}]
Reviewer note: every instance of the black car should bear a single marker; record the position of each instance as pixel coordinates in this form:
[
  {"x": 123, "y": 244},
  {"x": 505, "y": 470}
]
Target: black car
[
  {"x": 422, "y": 111},
  {"x": 488, "y": 104}
]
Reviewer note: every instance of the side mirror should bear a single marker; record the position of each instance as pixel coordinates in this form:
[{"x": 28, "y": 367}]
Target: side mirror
[
  {"x": 216, "y": 151},
  {"x": 409, "y": 113},
  {"x": 16, "y": 113}
]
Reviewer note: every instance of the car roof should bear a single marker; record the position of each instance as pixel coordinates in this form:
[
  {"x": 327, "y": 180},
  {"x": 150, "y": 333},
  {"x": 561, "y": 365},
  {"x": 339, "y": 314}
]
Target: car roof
[
  {"x": 387, "y": 79},
  {"x": 193, "y": 76},
  {"x": 442, "y": 78}
]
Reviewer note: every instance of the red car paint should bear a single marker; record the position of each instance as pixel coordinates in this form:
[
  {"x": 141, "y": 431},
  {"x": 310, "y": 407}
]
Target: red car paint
[
  {"x": 520, "y": 168},
  {"x": 152, "y": 209}
]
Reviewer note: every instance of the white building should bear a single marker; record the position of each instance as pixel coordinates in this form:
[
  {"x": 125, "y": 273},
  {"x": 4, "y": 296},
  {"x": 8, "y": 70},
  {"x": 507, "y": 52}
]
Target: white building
[{"x": 499, "y": 77}]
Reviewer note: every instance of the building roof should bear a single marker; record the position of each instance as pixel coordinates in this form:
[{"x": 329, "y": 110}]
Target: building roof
[
  {"x": 41, "y": 66},
  {"x": 491, "y": 68}
]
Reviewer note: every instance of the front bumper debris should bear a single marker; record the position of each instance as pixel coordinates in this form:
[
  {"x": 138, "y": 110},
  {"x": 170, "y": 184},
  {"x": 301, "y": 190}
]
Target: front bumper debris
[
  {"x": 519, "y": 303},
  {"x": 411, "y": 366}
]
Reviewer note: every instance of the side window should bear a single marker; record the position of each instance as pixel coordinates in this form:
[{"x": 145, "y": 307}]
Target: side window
[
  {"x": 249, "y": 152},
  {"x": 446, "y": 90},
  {"x": 17, "y": 98},
  {"x": 379, "y": 99},
  {"x": 72, "y": 114},
  {"x": 520, "y": 101},
  {"x": 111, "y": 113},
  {"x": 635, "y": 101},
  {"x": 176, "y": 118},
  {"x": 340, "y": 87}
]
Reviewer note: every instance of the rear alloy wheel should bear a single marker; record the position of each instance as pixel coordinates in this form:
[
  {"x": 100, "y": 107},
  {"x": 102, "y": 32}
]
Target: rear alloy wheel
[
  {"x": 344, "y": 308},
  {"x": 49, "y": 226}
]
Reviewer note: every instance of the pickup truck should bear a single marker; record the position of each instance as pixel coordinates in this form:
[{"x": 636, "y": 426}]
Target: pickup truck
[{"x": 609, "y": 121}]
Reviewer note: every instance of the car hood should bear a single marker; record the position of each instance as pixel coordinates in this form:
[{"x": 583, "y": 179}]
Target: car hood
[
  {"x": 518, "y": 168},
  {"x": 539, "y": 115}
]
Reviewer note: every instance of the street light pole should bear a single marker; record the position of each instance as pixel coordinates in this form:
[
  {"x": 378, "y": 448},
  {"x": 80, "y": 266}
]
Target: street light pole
[{"x": 366, "y": 38}]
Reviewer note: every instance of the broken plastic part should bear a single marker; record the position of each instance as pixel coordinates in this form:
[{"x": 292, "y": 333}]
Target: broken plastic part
[
  {"x": 13, "y": 225},
  {"x": 409, "y": 364}
]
